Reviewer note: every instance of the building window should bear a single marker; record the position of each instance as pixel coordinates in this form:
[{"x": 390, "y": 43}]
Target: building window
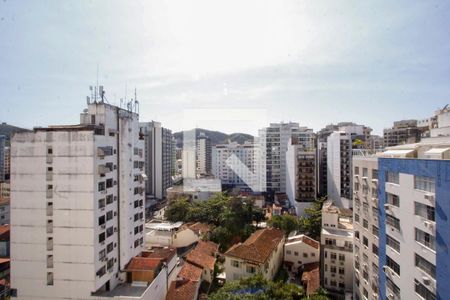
[
  {"x": 341, "y": 271},
  {"x": 365, "y": 241},
  {"x": 425, "y": 266},
  {"x": 333, "y": 269},
  {"x": 49, "y": 278},
  {"x": 392, "y": 287},
  {"x": 425, "y": 239},
  {"x": 333, "y": 256},
  {"x": 426, "y": 184},
  {"x": 102, "y": 254},
  {"x": 109, "y": 215},
  {"x": 101, "y": 203},
  {"x": 295, "y": 253},
  {"x": 357, "y": 235},
  {"x": 392, "y": 177},
  {"x": 393, "y": 221},
  {"x": 374, "y": 174},
  {"x": 101, "y": 271},
  {"x": 365, "y": 172},
  {"x": 101, "y": 237},
  {"x": 109, "y": 183},
  {"x": 109, "y": 199},
  {"x": 425, "y": 211},
  {"x": 341, "y": 257},
  {"x": 251, "y": 269},
  {"x": 366, "y": 224},
  {"x": 393, "y": 243},
  {"x": 356, "y": 218},
  {"x": 109, "y": 231},
  {"x": 375, "y": 249},
  {"x": 305, "y": 255},
  {"x": 235, "y": 263},
  {"x": 101, "y": 220},
  {"x": 101, "y": 186},
  {"x": 423, "y": 291},
  {"x": 393, "y": 265},
  {"x": 109, "y": 247},
  {"x": 393, "y": 199},
  {"x": 375, "y": 230},
  {"x": 288, "y": 252},
  {"x": 356, "y": 170}
]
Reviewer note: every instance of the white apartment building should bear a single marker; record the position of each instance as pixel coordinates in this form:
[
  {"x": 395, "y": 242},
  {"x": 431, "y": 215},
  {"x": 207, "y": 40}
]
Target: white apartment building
[
  {"x": 261, "y": 253},
  {"x": 301, "y": 175},
  {"x": 234, "y": 164},
  {"x": 337, "y": 250},
  {"x": 2, "y": 158},
  {"x": 203, "y": 155},
  {"x": 414, "y": 228},
  {"x": 273, "y": 142},
  {"x": 158, "y": 158},
  {"x": 339, "y": 163},
  {"x": 365, "y": 225},
  {"x": 300, "y": 250},
  {"x": 77, "y": 205}
]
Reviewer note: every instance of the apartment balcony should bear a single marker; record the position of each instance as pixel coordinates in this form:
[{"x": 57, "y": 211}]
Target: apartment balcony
[
  {"x": 104, "y": 169},
  {"x": 49, "y": 176},
  {"x": 49, "y": 159},
  {"x": 50, "y": 262},
  {"x": 49, "y": 194}
]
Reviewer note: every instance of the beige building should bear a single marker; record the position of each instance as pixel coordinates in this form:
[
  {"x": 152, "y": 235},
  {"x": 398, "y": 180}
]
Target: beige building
[
  {"x": 300, "y": 250},
  {"x": 337, "y": 245},
  {"x": 366, "y": 231},
  {"x": 261, "y": 253}
]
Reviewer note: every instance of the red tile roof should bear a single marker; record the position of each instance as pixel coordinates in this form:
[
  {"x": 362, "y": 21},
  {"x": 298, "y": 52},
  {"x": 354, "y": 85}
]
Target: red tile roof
[
  {"x": 311, "y": 278},
  {"x": 201, "y": 259},
  {"x": 309, "y": 241},
  {"x": 143, "y": 264},
  {"x": 209, "y": 248},
  {"x": 165, "y": 254},
  {"x": 183, "y": 290},
  {"x": 200, "y": 228},
  {"x": 190, "y": 272},
  {"x": 4, "y": 233},
  {"x": 258, "y": 247}
]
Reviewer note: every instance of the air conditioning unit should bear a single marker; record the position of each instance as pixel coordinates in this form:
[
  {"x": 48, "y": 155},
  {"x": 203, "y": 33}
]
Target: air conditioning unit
[
  {"x": 375, "y": 181},
  {"x": 429, "y": 224},
  {"x": 429, "y": 197},
  {"x": 387, "y": 206},
  {"x": 426, "y": 280},
  {"x": 391, "y": 297}
]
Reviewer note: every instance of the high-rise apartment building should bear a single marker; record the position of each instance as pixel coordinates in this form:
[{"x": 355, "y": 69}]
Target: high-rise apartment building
[
  {"x": 339, "y": 163},
  {"x": 273, "y": 142},
  {"x": 203, "y": 155},
  {"x": 337, "y": 250},
  {"x": 158, "y": 158},
  {"x": 301, "y": 172},
  {"x": 403, "y": 132},
  {"x": 77, "y": 205},
  {"x": 414, "y": 229},
  {"x": 365, "y": 225},
  {"x": 234, "y": 164}
]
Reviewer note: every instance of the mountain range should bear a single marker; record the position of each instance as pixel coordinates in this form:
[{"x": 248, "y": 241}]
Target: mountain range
[{"x": 216, "y": 137}]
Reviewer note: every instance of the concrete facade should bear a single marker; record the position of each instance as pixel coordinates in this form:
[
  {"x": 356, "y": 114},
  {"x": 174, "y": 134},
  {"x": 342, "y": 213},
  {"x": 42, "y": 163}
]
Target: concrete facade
[
  {"x": 77, "y": 208},
  {"x": 158, "y": 158}
]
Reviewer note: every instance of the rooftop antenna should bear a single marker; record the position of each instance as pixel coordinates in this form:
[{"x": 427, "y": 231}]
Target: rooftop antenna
[{"x": 136, "y": 102}]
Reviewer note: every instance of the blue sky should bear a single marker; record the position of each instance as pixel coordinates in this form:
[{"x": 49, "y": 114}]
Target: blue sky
[{"x": 313, "y": 62}]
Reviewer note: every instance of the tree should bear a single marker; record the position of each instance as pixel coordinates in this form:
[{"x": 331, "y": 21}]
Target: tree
[
  {"x": 311, "y": 224},
  {"x": 178, "y": 210},
  {"x": 287, "y": 223}
]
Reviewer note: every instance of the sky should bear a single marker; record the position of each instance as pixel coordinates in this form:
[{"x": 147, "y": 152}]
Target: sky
[{"x": 232, "y": 66}]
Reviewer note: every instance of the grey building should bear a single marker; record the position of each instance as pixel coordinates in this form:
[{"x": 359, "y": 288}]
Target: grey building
[{"x": 158, "y": 158}]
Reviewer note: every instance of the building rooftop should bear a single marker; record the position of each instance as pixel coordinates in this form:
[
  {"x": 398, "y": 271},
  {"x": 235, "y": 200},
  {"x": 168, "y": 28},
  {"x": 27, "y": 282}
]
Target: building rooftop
[
  {"x": 303, "y": 239},
  {"x": 201, "y": 259},
  {"x": 200, "y": 228},
  {"x": 258, "y": 247},
  {"x": 190, "y": 272},
  {"x": 164, "y": 254},
  {"x": 183, "y": 289},
  {"x": 311, "y": 278},
  {"x": 143, "y": 264},
  {"x": 208, "y": 248}
]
